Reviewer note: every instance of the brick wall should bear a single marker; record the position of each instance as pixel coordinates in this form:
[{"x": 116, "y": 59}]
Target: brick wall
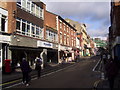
[{"x": 51, "y": 20}]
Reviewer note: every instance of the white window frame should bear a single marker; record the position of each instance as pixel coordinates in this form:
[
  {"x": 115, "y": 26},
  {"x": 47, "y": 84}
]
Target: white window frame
[
  {"x": 4, "y": 13},
  {"x": 37, "y": 35},
  {"x": 1, "y": 55}
]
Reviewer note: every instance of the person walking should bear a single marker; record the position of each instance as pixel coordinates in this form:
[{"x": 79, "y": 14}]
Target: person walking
[
  {"x": 25, "y": 71},
  {"x": 38, "y": 66}
]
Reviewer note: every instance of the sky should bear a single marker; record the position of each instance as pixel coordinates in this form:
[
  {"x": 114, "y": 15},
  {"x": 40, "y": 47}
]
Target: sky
[{"x": 94, "y": 13}]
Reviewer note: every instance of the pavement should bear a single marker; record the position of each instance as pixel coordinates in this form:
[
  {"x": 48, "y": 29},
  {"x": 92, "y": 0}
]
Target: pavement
[{"x": 103, "y": 83}]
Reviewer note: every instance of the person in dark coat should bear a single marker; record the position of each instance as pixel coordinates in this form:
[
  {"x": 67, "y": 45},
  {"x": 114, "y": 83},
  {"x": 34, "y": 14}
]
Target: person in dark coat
[
  {"x": 38, "y": 66},
  {"x": 25, "y": 71},
  {"x": 111, "y": 71}
]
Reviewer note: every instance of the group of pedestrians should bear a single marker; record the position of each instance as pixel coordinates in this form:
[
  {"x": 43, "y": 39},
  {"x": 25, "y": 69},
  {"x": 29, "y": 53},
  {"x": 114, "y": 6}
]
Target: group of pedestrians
[
  {"x": 26, "y": 69},
  {"x": 111, "y": 67}
]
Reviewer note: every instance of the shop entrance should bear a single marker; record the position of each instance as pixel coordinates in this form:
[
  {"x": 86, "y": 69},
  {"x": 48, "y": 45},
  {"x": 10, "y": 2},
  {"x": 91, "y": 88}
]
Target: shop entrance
[{"x": 52, "y": 56}]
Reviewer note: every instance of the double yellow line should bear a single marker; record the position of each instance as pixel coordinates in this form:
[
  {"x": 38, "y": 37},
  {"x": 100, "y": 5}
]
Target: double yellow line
[{"x": 10, "y": 82}]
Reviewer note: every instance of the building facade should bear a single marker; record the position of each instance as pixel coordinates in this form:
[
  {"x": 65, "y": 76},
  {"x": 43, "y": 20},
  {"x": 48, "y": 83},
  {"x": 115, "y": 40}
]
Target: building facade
[
  {"x": 25, "y": 23},
  {"x": 52, "y": 36},
  {"x": 66, "y": 39},
  {"x": 82, "y": 35},
  {"x": 4, "y": 36},
  {"x": 114, "y": 30}
]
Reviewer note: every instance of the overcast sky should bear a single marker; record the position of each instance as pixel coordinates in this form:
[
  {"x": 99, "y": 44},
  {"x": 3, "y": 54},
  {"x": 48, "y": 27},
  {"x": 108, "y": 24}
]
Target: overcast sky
[{"x": 96, "y": 15}]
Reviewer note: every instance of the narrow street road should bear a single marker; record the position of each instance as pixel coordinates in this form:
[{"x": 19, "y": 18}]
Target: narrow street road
[{"x": 79, "y": 75}]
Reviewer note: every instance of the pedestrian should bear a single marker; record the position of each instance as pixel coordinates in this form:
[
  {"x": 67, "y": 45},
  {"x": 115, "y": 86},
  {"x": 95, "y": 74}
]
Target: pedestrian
[
  {"x": 25, "y": 71},
  {"x": 111, "y": 71},
  {"x": 38, "y": 66},
  {"x": 104, "y": 58}
]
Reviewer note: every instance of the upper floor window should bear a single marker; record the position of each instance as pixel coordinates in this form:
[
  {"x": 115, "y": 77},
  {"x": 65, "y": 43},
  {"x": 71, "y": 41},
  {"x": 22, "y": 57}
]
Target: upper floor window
[
  {"x": 24, "y": 3},
  {"x": 51, "y": 36},
  {"x": 3, "y": 23},
  {"x": 26, "y": 28},
  {"x": 31, "y": 7},
  {"x": 60, "y": 38}
]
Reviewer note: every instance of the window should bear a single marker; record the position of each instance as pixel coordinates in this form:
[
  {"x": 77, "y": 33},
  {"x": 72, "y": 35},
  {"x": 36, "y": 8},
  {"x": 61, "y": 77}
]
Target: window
[
  {"x": 23, "y": 27},
  {"x": 33, "y": 30},
  {"x": 18, "y": 25},
  {"x": 19, "y": 2},
  {"x": 28, "y": 5},
  {"x": 33, "y": 8},
  {"x": 37, "y": 32},
  {"x": 60, "y": 25},
  {"x": 37, "y": 11},
  {"x": 28, "y": 29},
  {"x": 24, "y": 3},
  {"x": 61, "y": 38},
  {"x": 41, "y": 33},
  {"x": 68, "y": 41},
  {"x": 54, "y": 38},
  {"x": 64, "y": 39},
  {"x": 64, "y": 27},
  {"x": 3, "y": 22}
]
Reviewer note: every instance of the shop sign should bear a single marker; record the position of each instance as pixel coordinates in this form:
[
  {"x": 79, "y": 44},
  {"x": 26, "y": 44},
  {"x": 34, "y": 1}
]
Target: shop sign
[
  {"x": 4, "y": 39},
  {"x": 44, "y": 44},
  {"x": 63, "y": 48}
]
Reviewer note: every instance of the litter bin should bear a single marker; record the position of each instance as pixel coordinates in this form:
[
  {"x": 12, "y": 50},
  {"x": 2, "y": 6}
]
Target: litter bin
[{"x": 7, "y": 65}]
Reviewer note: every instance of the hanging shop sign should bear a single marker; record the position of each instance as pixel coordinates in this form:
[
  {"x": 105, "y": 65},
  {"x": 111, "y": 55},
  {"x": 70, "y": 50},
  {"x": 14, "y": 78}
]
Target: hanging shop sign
[{"x": 44, "y": 44}]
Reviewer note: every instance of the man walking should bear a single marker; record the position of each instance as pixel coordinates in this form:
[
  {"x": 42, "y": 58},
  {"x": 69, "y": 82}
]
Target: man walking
[
  {"x": 38, "y": 66},
  {"x": 25, "y": 71}
]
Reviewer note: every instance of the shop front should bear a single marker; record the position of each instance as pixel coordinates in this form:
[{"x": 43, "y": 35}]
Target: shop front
[
  {"x": 65, "y": 54},
  {"x": 4, "y": 44},
  {"x": 23, "y": 47},
  {"x": 52, "y": 51}
]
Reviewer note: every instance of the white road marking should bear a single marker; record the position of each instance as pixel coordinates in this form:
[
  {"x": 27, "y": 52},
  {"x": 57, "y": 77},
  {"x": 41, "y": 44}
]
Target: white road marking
[
  {"x": 96, "y": 65},
  {"x": 41, "y": 76}
]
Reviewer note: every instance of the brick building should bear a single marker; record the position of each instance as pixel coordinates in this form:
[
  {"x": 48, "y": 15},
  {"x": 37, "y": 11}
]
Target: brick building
[
  {"x": 4, "y": 36},
  {"x": 66, "y": 39},
  {"x": 52, "y": 36},
  {"x": 26, "y": 27}
]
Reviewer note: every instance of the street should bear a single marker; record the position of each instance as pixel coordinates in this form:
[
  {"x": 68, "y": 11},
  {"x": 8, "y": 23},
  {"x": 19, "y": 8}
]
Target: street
[{"x": 79, "y": 75}]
